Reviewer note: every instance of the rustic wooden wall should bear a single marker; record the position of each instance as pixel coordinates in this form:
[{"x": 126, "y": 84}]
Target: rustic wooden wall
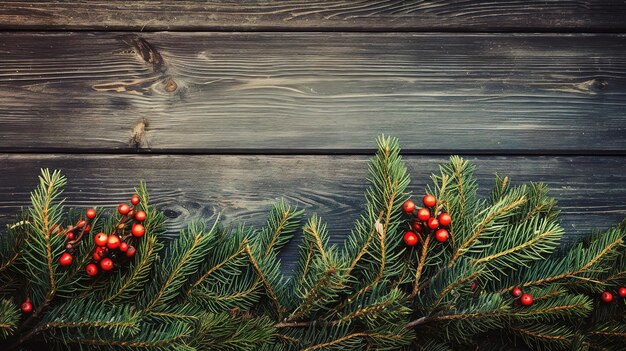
[{"x": 228, "y": 105}]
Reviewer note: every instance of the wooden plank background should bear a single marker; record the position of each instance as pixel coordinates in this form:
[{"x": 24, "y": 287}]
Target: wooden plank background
[
  {"x": 228, "y": 105},
  {"x": 299, "y": 15},
  {"x": 203, "y": 92}
]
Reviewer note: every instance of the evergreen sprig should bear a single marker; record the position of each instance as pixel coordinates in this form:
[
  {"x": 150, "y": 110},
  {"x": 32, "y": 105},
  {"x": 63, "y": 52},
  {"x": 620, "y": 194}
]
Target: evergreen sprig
[{"x": 216, "y": 288}]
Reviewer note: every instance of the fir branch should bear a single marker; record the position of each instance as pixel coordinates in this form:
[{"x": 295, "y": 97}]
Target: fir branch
[
  {"x": 601, "y": 249},
  {"x": 183, "y": 257},
  {"x": 227, "y": 260},
  {"x": 502, "y": 209},
  {"x": 130, "y": 284},
  {"x": 268, "y": 287},
  {"x": 337, "y": 341},
  {"x": 9, "y": 318},
  {"x": 420, "y": 266},
  {"x": 311, "y": 295}
]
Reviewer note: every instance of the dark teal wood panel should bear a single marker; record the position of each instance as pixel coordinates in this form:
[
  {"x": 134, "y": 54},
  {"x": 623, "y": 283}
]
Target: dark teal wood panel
[
  {"x": 468, "y": 15},
  {"x": 312, "y": 92}
]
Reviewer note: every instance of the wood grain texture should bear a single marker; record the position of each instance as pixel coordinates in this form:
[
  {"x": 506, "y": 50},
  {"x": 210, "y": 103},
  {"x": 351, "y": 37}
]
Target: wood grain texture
[
  {"x": 591, "y": 190},
  {"x": 214, "y": 92},
  {"x": 439, "y": 15}
]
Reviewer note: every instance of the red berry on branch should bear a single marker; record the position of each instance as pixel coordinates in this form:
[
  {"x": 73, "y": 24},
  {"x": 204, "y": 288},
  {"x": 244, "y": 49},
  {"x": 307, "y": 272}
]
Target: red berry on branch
[
  {"x": 526, "y": 300},
  {"x": 81, "y": 223},
  {"x": 66, "y": 259},
  {"x": 607, "y": 297},
  {"x": 433, "y": 223},
  {"x": 99, "y": 254},
  {"x": 101, "y": 239},
  {"x": 26, "y": 306},
  {"x": 140, "y": 216},
  {"x": 135, "y": 199},
  {"x": 442, "y": 235},
  {"x": 445, "y": 219},
  {"x": 423, "y": 214},
  {"x": 410, "y": 239},
  {"x": 138, "y": 230},
  {"x": 91, "y": 213},
  {"x": 106, "y": 264},
  {"x": 517, "y": 292},
  {"x": 622, "y": 292},
  {"x": 123, "y": 209},
  {"x": 123, "y": 246},
  {"x": 429, "y": 201},
  {"x": 70, "y": 236},
  {"x": 131, "y": 251},
  {"x": 474, "y": 286},
  {"x": 91, "y": 269},
  {"x": 113, "y": 242},
  {"x": 87, "y": 228},
  {"x": 417, "y": 227},
  {"x": 131, "y": 213},
  {"x": 408, "y": 206}
]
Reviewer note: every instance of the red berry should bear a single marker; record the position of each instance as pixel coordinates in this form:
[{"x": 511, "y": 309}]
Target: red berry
[
  {"x": 433, "y": 223},
  {"x": 417, "y": 227},
  {"x": 423, "y": 214},
  {"x": 91, "y": 213},
  {"x": 474, "y": 286},
  {"x": 607, "y": 297},
  {"x": 408, "y": 206},
  {"x": 622, "y": 292},
  {"x": 429, "y": 200},
  {"x": 138, "y": 230},
  {"x": 106, "y": 264},
  {"x": 27, "y": 307},
  {"x": 123, "y": 209},
  {"x": 99, "y": 254},
  {"x": 445, "y": 219},
  {"x": 135, "y": 199},
  {"x": 140, "y": 216},
  {"x": 123, "y": 246},
  {"x": 517, "y": 292},
  {"x": 442, "y": 235},
  {"x": 526, "y": 299},
  {"x": 101, "y": 239},
  {"x": 410, "y": 239},
  {"x": 87, "y": 228},
  {"x": 91, "y": 269},
  {"x": 70, "y": 236},
  {"x": 131, "y": 251},
  {"x": 113, "y": 242},
  {"x": 81, "y": 223},
  {"x": 131, "y": 213},
  {"x": 66, "y": 259}
]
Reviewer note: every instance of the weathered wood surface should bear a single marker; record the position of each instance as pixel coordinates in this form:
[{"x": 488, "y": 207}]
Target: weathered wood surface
[
  {"x": 293, "y": 92},
  {"x": 591, "y": 190},
  {"x": 417, "y": 15}
]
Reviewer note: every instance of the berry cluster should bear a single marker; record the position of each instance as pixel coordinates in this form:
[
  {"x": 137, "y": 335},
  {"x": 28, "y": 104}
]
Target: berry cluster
[
  {"x": 118, "y": 244},
  {"x": 109, "y": 247},
  {"x": 426, "y": 220},
  {"x": 525, "y": 299},
  {"x": 607, "y": 296}
]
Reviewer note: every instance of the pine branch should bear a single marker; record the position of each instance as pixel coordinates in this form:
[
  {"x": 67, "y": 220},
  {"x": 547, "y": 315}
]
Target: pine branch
[
  {"x": 266, "y": 281},
  {"x": 182, "y": 261},
  {"x": 420, "y": 266},
  {"x": 9, "y": 318}
]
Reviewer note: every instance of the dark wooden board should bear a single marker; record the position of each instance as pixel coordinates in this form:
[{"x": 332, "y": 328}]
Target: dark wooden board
[
  {"x": 266, "y": 92},
  {"x": 590, "y": 190},
  {"x": 468, "y": 15}
]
